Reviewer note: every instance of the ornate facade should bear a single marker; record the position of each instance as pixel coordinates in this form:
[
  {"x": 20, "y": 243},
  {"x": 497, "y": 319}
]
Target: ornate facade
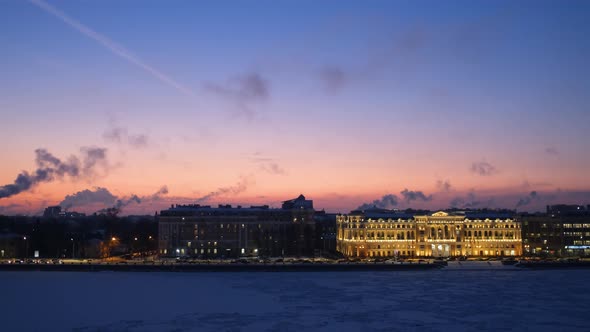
[{"x": 383, "y": 233}]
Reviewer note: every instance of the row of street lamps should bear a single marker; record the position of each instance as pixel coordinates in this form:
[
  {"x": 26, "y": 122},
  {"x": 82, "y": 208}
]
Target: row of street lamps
[{"x": 73, "y": 244}]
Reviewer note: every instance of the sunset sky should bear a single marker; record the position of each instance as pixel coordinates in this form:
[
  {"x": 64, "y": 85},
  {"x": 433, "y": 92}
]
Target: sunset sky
[{"x": 463, "y": 103}]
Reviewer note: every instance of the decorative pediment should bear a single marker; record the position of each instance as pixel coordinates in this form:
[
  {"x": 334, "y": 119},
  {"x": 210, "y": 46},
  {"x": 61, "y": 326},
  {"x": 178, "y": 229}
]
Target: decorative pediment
[{"x": 440, "y": 214}]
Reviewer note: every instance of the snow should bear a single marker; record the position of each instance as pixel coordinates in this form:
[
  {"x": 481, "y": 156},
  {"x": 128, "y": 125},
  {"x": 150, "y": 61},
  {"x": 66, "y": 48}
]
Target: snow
[{"x": 441, "y": 300}]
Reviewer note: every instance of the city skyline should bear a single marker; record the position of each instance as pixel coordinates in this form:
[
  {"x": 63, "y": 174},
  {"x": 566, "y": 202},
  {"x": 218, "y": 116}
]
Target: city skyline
[{"x": 473, "y": 104}]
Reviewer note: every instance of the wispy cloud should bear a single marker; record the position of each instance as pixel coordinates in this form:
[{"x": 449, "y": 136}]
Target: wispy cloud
[
  {"x": 532, "y": 196},
  {"x": 88, "y": 197},
  {"x": 400, "y": 50},
  {"x": 404, "y": 49},
  {"x": 158, "y": 194},
  {"x": 267, "y": 164},
  {"x": 242, "y": 185},
  {"x": 410, "y": 195},
  {"x": 102, "y": 196},
  {"x": 333, "y": 77},
  {"x": 273, "y": 168},
  {"x": 443, "y": 185},
  {"x": 388, "y": 201},
  {"x": 50, "y": 168},
  {"x": 244, "y": 91},
  {"x": 470, "y": 201},
  {"x": 120, "y": 135},
  {"x": 483, "y": 168},
  {"x": 552, "y": 151},
  {"x": 111, "y": 46}
]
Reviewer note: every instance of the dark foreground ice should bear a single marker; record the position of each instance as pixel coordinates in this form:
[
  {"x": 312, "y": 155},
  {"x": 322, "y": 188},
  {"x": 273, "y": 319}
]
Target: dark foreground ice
[{"x": 516, "y": 300}]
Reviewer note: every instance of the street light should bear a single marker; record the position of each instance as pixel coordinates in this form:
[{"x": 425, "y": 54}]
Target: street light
[
  {"x": 26, "y": 247},
  {"x": 72, "y": 239},
  {"x": 134, "y": 245}
]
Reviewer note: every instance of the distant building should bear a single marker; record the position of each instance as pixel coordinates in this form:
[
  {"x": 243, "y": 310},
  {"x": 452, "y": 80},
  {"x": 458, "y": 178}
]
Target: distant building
[
  {"x": 386, "y": 233},
  {"x": 298, "y": 203},
  {"x": 562, "y": 232},
  {"x": 226, "y": 231},
  {"x": 52, "y": 211},
  {"x": 325, "y": 226},
  {"x": 567, "y": 210},
  {"x": 12, "y": 245},
  {"x": 56, "y": 212}
]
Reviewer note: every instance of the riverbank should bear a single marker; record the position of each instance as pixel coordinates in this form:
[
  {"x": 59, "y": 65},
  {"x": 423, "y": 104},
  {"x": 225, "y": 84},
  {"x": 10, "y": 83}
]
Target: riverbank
[
  {"x": 221, "y": 267},
  {"x": 297, "y": 266}
]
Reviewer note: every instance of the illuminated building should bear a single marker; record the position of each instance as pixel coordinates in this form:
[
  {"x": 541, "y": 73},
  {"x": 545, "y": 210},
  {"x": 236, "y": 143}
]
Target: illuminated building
[
  {"x": 226, "y": 231},
  {"x": 56, "y": 212},
  {"x": 385, "y": 233},
  {"x": 563, "y": 231}
]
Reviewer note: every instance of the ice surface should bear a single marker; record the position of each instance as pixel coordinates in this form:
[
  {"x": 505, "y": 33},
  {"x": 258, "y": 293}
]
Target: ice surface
[{"x": 445, "y": 300}]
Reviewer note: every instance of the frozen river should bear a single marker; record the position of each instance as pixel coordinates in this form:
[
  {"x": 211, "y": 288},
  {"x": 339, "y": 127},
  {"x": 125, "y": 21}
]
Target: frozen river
[{"x": 444, "y": 300}]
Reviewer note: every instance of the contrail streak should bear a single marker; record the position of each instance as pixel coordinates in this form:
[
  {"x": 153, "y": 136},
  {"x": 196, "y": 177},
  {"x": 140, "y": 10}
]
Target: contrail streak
[{"x": 110, "y": 45}]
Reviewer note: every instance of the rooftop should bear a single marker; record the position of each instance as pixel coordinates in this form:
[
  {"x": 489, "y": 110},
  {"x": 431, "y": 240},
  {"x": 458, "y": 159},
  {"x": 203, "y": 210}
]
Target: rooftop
[{"x": 227, "y": 209}]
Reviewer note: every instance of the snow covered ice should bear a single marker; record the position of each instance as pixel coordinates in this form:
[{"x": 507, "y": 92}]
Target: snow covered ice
[{"x": 444, "y": 300}]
